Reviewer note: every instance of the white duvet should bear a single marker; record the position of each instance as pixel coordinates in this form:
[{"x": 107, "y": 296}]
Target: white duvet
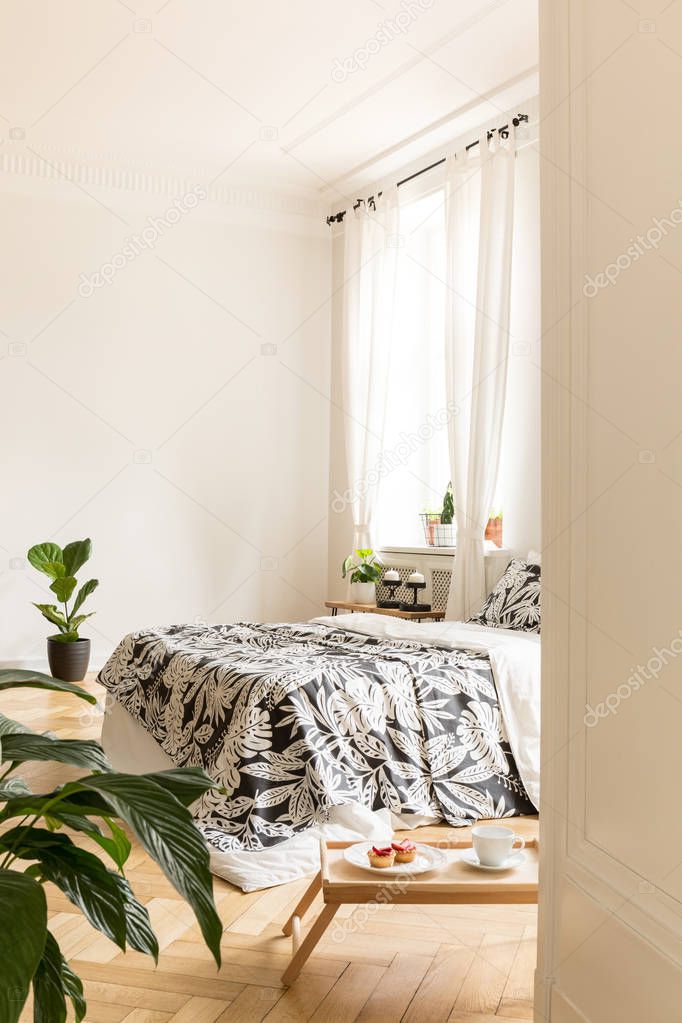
[{"x": 515, "y": 661}]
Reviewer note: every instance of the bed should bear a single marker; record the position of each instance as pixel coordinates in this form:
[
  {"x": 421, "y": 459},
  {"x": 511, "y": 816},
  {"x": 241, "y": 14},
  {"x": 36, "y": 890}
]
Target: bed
[{"x": 348, "y": 728}]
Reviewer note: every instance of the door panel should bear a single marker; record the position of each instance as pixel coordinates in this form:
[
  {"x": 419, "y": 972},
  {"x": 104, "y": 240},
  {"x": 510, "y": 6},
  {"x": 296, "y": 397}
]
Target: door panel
[{"x": 611, "y": 899}]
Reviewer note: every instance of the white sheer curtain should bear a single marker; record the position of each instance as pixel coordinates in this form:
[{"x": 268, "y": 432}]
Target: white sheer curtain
[
  {"x": 371, "y": 243},
  {"x": 479, "y": 228},
  {"x": 416, "y": 466}
]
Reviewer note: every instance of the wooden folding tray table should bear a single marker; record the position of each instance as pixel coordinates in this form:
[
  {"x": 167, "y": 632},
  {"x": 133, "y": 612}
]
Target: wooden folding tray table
[{"x": 456, "y": 883}]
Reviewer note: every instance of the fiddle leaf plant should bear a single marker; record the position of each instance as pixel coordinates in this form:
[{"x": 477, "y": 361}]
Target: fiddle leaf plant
[
  {"x": 366, "y": 569},
  {"x": 35, "y": 848},
  {"x": 61, "y": 566}
]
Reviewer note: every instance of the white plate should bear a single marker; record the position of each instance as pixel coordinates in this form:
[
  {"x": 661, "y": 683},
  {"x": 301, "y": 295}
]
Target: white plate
[
  {"x": 427, "y": 858},
  {"x": 470, "y": 857}
]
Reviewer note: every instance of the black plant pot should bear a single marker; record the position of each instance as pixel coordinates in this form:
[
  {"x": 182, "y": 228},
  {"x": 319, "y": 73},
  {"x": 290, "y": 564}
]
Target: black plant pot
[{"x": 68, "y": 661}]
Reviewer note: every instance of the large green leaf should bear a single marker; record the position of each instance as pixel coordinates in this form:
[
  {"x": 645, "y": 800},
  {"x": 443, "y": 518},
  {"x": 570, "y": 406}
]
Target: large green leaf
[
  {"x": 73, "y": 989},
  {"x": 185, "y": 783},
  {"x": 23, "y": 746},
  {"x": 139, "y": 933},
  {"x": 47, "y": 558},
  {"x": 75, "y": 555},
  {"x": 12, "y": 787},
  {"x": 117, "y": 844},
  {"x": 64, "y": 587},
  {"x": 8, "y": 725},
  {"x": 40, "y": 803},
  {"x": 23, "y": 926},
  {"x": 167, "y": 832},
  {"x": 11, "y": 678},
  {"x": 53, "y": 614},
  {"x": 81, "y": 876},
  {"x": 86, "y": 589},
  {"x": 75, "y": 623},
  {"x": 49, "y": 1003},
  {"x": 53, "y": 982}
]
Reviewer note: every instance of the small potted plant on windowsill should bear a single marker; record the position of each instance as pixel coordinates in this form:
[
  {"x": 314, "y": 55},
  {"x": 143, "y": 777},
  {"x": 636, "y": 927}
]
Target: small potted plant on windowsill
[
  {"x": 445, "y": 533},
  {"x": 67, "y": 652},
  {"x": 493, "y": 530},
  {"x": 364, "y": 572},
  {"x": 439, "y": 527}
]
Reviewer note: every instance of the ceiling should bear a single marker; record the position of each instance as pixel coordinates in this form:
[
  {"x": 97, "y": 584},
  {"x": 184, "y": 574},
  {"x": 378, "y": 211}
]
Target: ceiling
[{"x": 299, "y": 95}]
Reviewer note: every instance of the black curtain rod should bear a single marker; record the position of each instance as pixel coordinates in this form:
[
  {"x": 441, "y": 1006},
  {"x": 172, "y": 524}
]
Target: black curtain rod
[{"x": 336, "y": 218}]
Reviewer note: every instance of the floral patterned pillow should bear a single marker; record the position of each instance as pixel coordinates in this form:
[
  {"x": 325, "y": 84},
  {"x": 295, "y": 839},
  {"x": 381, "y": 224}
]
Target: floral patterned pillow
[{"x": 515, "y": 601}]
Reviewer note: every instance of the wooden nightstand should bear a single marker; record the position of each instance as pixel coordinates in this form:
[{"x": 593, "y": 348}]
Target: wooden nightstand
[{"x": 410, "y": 616}]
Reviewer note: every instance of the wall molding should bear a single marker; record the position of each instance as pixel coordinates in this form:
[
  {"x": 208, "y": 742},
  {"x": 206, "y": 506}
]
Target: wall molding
[
  {"x": 113, "y": 174},
  {"x": 357, "y": 101},
  {"x": 348, "y": 180},
  {"x": 563, "y": 1009}
]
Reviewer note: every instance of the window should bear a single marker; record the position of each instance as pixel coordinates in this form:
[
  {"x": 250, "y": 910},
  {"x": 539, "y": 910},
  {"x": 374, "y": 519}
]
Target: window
[{"x": 416, "y": 467}]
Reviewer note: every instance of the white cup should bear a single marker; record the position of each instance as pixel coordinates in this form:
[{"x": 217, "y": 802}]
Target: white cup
[{"x": 493, "y": 844}]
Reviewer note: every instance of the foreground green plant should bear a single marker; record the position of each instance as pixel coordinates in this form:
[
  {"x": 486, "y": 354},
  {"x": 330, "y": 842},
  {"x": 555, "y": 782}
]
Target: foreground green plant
[
  {"x": 61, "y": 566},
  {"x": 34, "y": 849}
]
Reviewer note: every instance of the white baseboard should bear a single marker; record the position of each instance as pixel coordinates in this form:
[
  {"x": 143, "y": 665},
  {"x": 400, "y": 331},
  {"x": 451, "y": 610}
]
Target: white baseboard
[{"x": 40, "y": 664}]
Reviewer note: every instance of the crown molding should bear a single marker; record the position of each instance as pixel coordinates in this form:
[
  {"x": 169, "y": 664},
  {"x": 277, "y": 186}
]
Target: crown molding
[
  {"x": 422, "y": 54},
  {"x": 111, "y": 173}
]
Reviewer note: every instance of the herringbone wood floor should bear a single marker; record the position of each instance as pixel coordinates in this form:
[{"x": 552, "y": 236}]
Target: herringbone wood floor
[{"x": 410, "y": 963}]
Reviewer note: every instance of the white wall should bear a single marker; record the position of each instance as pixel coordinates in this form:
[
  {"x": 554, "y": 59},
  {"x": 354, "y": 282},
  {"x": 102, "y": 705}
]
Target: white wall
[
  {"x": 149, "y": 416},
  {"x": 519, "y": 485}
]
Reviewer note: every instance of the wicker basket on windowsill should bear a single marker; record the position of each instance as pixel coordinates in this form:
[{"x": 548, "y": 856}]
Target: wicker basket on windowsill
[
  {"x": 438, "y": 535},
  {"x": 435, "y": 533}
]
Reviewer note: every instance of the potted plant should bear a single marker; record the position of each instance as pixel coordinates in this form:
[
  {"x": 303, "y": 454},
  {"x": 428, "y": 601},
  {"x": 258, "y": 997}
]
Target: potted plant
[
  {"x": 35, "y": 849},
  {"x": 493, "y": 529},
  {"x": 445, "y": 534},
  {"x": 431, "y": 523},
  {"x": 439, "y": 526},
  {"x": 365, "y": 572},
  {"x": 67, "y": 652}
]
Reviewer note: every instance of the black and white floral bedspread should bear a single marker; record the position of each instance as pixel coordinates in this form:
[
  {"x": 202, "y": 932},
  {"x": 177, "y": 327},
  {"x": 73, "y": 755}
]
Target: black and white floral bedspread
[{"x": 294, "y": 719}]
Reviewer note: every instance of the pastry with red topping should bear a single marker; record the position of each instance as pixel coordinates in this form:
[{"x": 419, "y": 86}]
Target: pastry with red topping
[
  {"x": 381, "y": 856},
  {"x": 405, "y": 851}
]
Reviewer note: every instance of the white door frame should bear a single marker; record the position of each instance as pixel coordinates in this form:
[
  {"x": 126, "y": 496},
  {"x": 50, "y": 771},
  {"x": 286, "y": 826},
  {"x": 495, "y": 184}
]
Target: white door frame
[{"x": 568, "y": 856}]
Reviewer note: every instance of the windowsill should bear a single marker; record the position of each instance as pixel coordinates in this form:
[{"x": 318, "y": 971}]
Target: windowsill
[{"x": 491, "y": 551}]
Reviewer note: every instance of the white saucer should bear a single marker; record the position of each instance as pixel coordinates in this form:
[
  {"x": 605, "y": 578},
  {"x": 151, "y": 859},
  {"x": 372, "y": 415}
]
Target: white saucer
[
  {"x": 427, "y": 858},
  {"x": 470, "y": 857}
]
